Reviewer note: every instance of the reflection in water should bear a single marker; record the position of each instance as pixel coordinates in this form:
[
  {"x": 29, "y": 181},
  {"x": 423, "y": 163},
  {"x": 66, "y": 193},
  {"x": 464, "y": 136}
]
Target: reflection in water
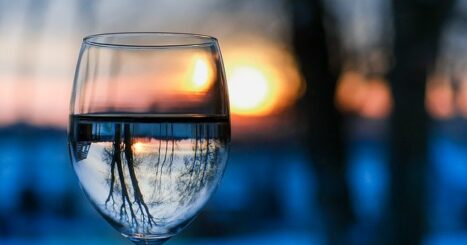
[{"x": 149, "y": 177}]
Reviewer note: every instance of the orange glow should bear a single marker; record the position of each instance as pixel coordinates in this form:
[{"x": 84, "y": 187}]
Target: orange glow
[
  {"x": 262, "y": 77},
  {"x": 139, "y": 147},
  {"x": 28, "y": 99},
  {"x": 378, "y": 103},
  {"x": 439, "y": 100},
  {"x": 262, "y": 80},
  {"x": 370, "y": 98},
  {"x": 461, "y": 100},
  {"x": 201, "y": 77},
  {"x": 351, "y": 91},
  {"x": 251, "y": 91}
]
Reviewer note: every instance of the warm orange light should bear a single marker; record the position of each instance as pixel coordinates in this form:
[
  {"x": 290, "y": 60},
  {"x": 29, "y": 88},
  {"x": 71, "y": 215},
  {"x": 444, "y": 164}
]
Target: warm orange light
[
  {"x": 461, "y": 100},
  {"x": 251, "y": 91},
  {"x": 200, "y": 78},
  {"x": 201, "y": 74},
  {"x": 262, "y": 78},
  {"x": 439, "y": 99},
  {"x": 370, "y": 98},
  {"x": 138, "y": 147}
]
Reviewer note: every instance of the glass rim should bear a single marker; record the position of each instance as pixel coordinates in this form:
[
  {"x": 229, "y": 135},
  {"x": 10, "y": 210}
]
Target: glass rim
[{"x": 183, "y": 40}]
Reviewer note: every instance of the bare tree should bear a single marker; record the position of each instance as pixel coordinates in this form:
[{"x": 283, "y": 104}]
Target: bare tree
[
  {"x": 118, "y": 150},
  {"x": 125, "y": 196}
]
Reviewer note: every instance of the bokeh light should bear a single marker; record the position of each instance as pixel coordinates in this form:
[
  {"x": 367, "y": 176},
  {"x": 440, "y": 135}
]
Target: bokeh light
[
  {"x": 439, "y": 99},
  {"x": 251, "y": 92},
  {"x": 201, "y": 77},
  {"x": 263, "y": 80},
  {"x": 366, "y": 97}
]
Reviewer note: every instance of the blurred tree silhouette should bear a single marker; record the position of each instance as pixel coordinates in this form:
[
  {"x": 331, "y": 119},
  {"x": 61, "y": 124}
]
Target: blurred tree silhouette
[
  {"x": 417, "y": 27},
  {"x": 325, "y": 139}
]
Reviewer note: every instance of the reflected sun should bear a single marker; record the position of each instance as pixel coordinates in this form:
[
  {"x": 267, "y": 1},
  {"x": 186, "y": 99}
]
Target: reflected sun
[{"x": 200, "y": 78}]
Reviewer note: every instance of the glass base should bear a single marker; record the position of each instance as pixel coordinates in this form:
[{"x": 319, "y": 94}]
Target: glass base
[{"x": 148, "y": 241}]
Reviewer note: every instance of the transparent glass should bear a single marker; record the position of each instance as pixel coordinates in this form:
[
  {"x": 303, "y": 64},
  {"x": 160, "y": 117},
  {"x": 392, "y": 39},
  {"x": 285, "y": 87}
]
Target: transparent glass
[{"x": 149, "y": 129}]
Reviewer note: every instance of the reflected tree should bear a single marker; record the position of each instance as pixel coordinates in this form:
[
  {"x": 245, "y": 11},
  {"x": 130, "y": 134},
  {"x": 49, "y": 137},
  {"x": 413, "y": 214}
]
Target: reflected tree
[
  {"x": 199, "y": 167},
  {"x": 129, "y": 207},
  {"x": 189, "y": 172}
]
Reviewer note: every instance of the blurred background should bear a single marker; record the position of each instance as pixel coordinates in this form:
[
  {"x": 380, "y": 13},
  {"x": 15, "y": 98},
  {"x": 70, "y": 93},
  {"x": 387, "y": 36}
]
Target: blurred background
[{"x": 349, "y": 119}]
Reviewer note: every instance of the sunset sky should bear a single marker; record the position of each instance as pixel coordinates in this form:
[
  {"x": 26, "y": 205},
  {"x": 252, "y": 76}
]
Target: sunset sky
[{"x": 39, "y": 46}]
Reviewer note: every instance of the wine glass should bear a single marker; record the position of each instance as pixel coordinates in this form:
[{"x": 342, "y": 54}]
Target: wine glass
[{"x": 149, "y": 129}]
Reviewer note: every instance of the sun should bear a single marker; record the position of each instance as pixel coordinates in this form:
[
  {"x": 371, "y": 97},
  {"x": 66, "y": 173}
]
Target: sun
[{"x": 251, "y": 90}]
